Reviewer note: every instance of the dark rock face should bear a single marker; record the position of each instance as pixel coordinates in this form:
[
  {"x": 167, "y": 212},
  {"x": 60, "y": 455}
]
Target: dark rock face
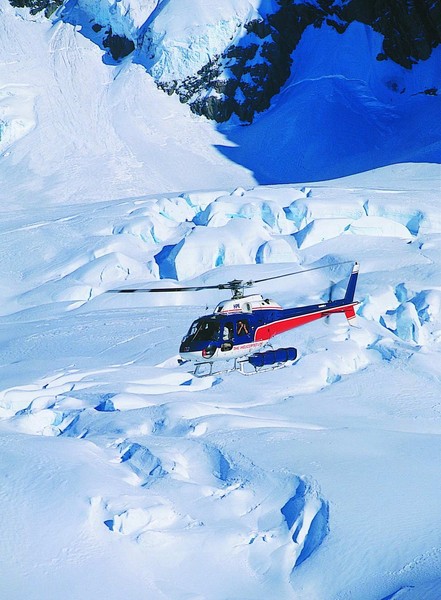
[
  {"x": 411, "y": 28},
  {"x": 246, "y": 76},
  {"x": 260, "y": 64},
  {"x": 118, "y": 45},
  {"x": 36, "y": 6}
]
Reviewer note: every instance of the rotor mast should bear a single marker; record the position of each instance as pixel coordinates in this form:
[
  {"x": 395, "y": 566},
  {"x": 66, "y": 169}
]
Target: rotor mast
[{"x": 237, "y": 287}]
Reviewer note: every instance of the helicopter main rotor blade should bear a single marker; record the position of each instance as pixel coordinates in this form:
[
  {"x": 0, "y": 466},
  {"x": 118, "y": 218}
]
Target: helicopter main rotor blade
[
  {"x": 299, "y": 272},
  {"x": 233, "y": 285},
  {"x": 230, "y": 285},
  {"x": 161, "y": 290}
]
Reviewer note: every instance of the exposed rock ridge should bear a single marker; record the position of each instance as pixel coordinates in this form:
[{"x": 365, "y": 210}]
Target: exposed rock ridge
[
  {"x": 36, "y": 6},
  {"x": 242, "y": 79}
]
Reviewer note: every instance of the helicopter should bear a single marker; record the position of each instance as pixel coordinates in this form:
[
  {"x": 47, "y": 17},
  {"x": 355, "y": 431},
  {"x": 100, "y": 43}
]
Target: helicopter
[{"x": 240, "y": 327}]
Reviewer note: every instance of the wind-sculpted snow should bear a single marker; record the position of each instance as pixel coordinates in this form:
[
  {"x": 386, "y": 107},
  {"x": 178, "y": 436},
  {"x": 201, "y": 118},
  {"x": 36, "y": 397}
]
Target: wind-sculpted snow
[
  {"x": 413, "y": 317},
  {"x": 139, "y": 479},
  {"x": 145, "y": 466},
  {"x": 252, "y": 229},
  {"x": 17, "y": 113},
  {"x": 307, "y": 518}
]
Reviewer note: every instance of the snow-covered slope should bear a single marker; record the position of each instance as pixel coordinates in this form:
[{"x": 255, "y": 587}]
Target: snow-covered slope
[
  {"x": 341, "y": 112},
  {"x": 125, "y": 476},
  {"x": 65, "y": 115},
  {"x": 79, "y": 93}
]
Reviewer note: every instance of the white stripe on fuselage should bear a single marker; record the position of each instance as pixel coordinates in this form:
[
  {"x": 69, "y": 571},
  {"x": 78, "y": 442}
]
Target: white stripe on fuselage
[{"x": 236, "y": 352}]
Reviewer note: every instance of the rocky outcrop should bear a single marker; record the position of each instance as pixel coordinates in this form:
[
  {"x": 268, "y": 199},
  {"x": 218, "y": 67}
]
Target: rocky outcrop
[
  {"x": 119, "y": 46},
  {"x": 36, "y": 6},
  {"x": 245, "y": 63},
  {"x": 244, "y": 79},
  {"x": 411, "y": 28}
]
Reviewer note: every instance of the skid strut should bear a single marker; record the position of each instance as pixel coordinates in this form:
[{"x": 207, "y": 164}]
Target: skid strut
[{"x": 256, "y": 363}]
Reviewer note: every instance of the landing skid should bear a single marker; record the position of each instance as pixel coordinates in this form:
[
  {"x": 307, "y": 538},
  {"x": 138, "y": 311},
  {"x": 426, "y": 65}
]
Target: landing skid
[
  {"x": 208, "y": 368},
  {"x": 241, "y": 365}
]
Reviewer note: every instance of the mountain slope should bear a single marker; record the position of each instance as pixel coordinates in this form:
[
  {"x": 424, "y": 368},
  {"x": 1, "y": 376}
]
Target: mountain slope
[
  {"x": 74, "y": 128},
  {"x": 83, "y": 94},
  {"x": 342, "y": 112},
  {"x": 232, "y": 59},
  {"x": 123, "y": 474},
  {"x": 259, "y": 57}
]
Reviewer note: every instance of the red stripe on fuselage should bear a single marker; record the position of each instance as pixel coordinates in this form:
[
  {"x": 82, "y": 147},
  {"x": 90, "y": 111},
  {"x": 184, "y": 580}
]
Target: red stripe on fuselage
[
  {"x": 265, "y": 332},
  {"x": 238, "y": 311}
]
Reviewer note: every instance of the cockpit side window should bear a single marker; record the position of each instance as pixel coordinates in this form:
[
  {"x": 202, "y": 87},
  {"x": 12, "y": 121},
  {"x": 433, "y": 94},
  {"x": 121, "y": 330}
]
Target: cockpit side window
[
  {"x": 193, "y": 329},
  {"x": 204, "y": 330},
  {"x": 227, "y": 331},
  {"x": 243, "y": 327}
]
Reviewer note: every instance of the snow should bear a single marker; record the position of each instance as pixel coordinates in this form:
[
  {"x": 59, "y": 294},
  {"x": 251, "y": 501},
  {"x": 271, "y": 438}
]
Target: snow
[
  {"x": 124, "y": 17},
  {"x": 62, "y": 96},
  {"x": 93, "y": 117},
  {"x": 17, "y": 117},
  {"x": 123, "y": 474},
  {"x": 184, "y": 36},
  {"x": 222, "y": 486}
]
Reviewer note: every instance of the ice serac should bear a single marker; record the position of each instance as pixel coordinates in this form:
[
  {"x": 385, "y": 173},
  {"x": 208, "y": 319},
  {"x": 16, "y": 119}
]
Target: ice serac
[{"x": 184, "y": 37}]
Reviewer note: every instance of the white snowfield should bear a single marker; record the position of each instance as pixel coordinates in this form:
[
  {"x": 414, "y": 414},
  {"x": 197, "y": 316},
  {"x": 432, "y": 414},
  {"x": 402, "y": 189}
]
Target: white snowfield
[
  {"x": 123, "y": 475},
  {"x": 74, "y": 129}
]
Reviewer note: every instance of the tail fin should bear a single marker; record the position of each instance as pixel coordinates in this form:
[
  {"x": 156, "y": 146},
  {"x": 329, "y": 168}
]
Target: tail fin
[
  {"x": 350, "y": 290},
  {"x": 349, "y": 296}
]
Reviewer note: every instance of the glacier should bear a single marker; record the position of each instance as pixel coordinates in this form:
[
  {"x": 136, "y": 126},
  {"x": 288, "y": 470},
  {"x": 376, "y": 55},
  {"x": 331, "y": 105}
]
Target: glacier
[
  {"x": 123, "y": 474},
  {"x": 222, "y": 486}
]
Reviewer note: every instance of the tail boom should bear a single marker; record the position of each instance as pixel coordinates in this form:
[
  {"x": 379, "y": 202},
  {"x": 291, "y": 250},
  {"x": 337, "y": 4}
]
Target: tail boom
[
  {"x": 269, "y": 330},
  {"x": 291, "y": 318},
  {"x": 348, "y": 310}
]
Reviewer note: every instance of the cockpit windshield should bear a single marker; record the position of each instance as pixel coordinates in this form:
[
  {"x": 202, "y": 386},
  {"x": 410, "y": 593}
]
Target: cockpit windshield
[{"x": 204, "y": 330}]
